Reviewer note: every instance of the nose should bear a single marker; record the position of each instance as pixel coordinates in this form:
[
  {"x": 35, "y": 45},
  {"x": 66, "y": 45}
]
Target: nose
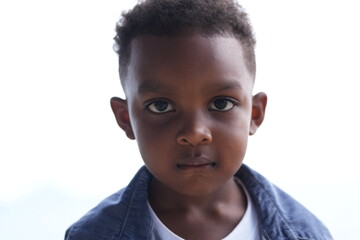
[{"x": 194, "y": 131}]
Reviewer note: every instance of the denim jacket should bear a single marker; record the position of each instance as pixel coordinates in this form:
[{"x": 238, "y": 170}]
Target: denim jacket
[{"x": 125, "y": 214}]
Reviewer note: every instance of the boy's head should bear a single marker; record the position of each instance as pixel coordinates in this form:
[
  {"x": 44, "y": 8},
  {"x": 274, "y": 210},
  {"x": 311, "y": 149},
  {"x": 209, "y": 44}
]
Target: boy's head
[
  {"x": 184, "y": 17},
  {"x": 188, "y": 82}
]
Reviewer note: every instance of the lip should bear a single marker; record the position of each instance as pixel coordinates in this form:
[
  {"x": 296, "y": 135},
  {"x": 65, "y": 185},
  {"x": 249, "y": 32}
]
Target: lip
[{"x": 191, "y": 163}]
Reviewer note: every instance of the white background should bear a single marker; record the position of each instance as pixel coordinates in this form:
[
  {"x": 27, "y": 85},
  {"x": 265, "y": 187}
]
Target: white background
[{"x": 61, "y": 151}]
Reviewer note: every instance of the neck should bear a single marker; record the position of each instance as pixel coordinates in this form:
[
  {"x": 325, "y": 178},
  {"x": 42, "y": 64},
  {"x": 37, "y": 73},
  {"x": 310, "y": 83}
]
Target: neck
[{"x": 163, "y": 198}]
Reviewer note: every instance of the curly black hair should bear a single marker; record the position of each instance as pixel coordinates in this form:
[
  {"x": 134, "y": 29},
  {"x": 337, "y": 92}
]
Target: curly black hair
[{"x": 178, "y": 17}]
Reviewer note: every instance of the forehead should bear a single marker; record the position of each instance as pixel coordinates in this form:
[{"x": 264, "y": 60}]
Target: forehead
[{"x": 178, "y": 59}]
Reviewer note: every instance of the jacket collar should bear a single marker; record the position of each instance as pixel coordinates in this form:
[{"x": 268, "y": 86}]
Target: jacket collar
[
  {"x": 281, "y": 216},
  {"x": 137, "y": 222},
  {"x": 273, "y": 222}
]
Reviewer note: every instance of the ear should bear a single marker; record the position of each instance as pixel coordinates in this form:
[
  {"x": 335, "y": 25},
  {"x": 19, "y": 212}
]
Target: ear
[
  {"x": 258, "y": 111},
  {"x": 121, "y": 112}
]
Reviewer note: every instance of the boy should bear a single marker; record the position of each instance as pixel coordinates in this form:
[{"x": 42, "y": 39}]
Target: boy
[{"x": 187, "y": 68}]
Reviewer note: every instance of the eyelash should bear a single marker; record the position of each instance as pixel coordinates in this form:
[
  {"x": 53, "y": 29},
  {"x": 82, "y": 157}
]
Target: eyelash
[
  {"x": 228, "y": 100},
  {"x": 149, "y": 104},
  {"x": 151, "y": 107}
]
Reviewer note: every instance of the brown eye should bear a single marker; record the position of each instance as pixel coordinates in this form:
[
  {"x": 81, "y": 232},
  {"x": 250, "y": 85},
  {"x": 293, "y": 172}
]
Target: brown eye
[
  {"x": 222, "y": 104},
  {"x": 160, "y": 106}
]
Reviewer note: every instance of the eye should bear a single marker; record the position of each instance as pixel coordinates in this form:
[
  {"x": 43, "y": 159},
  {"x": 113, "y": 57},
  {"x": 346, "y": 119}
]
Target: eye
[
  {"x": 222, "y": 104},
  {"x": 160, "y": 106}
]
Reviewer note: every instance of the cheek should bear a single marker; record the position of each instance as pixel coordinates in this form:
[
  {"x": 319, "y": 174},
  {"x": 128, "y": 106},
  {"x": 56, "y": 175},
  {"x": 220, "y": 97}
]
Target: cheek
[
  {"x": 235, "y": 127},
  {"x": 231, "y": 139},
  {"x": 153, "y": 140}
]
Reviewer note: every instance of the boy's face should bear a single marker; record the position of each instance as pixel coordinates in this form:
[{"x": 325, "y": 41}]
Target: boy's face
[{"x": 190, "y": 107}]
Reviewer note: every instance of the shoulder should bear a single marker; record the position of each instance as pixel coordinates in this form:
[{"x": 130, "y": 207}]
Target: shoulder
[
  {"x": 95, "y": 224},
  {"x": 109, "y": 218},
  {"x": 279, "y": 213}
]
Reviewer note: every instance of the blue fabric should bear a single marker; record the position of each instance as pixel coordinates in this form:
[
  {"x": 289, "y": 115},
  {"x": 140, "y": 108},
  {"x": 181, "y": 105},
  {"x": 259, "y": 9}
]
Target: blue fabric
[{"x": 125, "y": 215}]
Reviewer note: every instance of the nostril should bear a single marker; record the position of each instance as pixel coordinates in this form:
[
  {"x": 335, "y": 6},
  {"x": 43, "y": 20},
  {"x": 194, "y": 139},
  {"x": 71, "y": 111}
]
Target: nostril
[
  {"x": 205, "y": 140},
  {"x": 194, "y": 137},
  {"x": 183, "y": 141}
]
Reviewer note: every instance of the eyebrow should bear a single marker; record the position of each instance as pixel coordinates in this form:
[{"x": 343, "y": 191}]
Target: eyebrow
[
  {"x": 151, "y": 86},
  {"x": 227, "y": 84}
]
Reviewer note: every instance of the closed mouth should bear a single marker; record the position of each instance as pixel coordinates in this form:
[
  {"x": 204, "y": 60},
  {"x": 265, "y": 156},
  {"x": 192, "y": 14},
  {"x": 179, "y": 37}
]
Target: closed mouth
[{"x": 188, "y": 166}]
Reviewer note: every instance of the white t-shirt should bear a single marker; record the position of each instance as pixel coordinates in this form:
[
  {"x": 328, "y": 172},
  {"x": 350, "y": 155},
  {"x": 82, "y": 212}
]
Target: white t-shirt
[{"x": 247, "y": 229}]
